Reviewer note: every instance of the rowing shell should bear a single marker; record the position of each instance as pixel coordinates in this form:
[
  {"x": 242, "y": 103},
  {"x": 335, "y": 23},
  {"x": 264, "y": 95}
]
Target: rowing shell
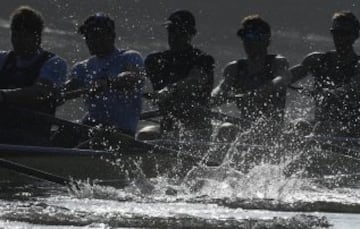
[
  {"x": 117, "y": 168},
  {"x": 130, "y": 162}
]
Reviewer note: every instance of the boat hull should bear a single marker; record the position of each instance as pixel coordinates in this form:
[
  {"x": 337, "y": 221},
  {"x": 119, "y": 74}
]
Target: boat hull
[{"x": 96, "y": 166}]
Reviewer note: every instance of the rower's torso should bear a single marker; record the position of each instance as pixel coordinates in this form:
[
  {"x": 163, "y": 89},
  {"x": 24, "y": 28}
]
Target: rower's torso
[
  {"x": 332, "y": 73},
  {"x": 168, "y": 67},
  {"x": 18, "y": 73},
  {"x": 258, "y": 105},
  {"x": 118, "y": 108}
]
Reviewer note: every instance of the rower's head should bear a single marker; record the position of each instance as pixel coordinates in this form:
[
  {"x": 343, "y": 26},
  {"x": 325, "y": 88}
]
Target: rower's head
[
  {"x": 181, "y": 29},
  {"x": 99, "y": 33},
  {"x": 26, "y": 27},
  {"x": 345, "y": 30},
  {"x": 255, "y": 34}
]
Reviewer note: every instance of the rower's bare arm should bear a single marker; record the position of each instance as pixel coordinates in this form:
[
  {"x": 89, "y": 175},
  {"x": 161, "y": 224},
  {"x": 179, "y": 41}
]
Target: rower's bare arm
[
  {"x": 197, "y": 78},
  {"x": 306, "y": 67},
  {"x": 281, "y": 80},
  {"x": 283, "y": 76},
  {"x": 73, "y": 89},
  {"x": 225, "y": 90},
  {"x": 132, "y": 78}
]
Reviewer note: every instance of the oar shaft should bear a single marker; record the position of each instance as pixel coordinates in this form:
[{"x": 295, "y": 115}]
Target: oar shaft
[
  {"x": 24, "y": 150},
  {"x": 74, "y": 94},
  {"x": 19, "y": 168},
  {"x": 150, "y": 114},
  {"x": 213, "y": 114},
  {"x": 117, "y": 136}
]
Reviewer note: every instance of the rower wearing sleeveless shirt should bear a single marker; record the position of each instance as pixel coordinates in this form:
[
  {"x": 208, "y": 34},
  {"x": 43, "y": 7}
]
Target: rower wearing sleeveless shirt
[
  {"x": 182, "y": 77},
  {"x": 29, "y": 79},
  {"x": 257, "y": 83},
  {"x": 113, "y": 76},
  {"x": 337, "y": 80}
]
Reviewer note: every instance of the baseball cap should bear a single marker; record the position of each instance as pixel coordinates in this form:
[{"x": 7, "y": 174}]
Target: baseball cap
[
  {"x": 97, "y": 22},
  {"x": 182, "y": 19}
]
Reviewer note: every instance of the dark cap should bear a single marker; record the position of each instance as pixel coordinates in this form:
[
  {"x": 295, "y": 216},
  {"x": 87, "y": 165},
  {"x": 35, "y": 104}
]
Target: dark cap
[
  {"x": 345, "y": 21},
  {"x": 97, "y": 22},
  {"x": 182, "y": 19},
  {"x": 255, "y": 27}
]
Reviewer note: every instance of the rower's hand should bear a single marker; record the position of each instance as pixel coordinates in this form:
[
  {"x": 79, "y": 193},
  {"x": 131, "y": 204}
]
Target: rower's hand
[
  {"x": 128, "y": 80},
  {"x": 126, "y": 76},
  {"x": 97, "y": 86},
  {"x": 159, "y": 96}
]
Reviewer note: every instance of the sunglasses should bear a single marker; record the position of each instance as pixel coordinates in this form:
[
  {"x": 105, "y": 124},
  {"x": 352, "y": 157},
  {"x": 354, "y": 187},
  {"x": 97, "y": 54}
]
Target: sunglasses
[{"x": 253, "y": 36}]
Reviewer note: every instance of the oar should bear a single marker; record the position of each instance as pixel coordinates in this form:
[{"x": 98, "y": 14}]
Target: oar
[
  {"x": 115, "y": 137},
  {"x": 74, "y": 93},
  {"x": 336, "y": 142},
  {"x": 19, "y": 168},
  {"x": 46, "y": 176},
  {"x": 21, "y": 150},
  {"x": 212, "y": 114},
  {"x": 150, "y": 114}
]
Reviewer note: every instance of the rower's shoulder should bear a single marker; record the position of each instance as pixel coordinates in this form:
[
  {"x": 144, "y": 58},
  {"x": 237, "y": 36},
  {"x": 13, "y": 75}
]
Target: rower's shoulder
[
  {"x": 130, "y": 53},
  {"x": 314, "y": 58},
  {"x": 156, "y": 57},
  {"x": 232, "y": 68},
  {"x": 79, "y": 68},
  {"x": 131, "y": 56},
  {"x": 280, "y": 61},
  {"x": 56, "y": 61},
  {"x": 81, "y": 63},
  {"x": 203, "y": 56}
]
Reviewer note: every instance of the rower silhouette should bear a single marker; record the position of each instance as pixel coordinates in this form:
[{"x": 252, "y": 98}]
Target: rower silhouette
[
  {"x": 29, "y": 78},
  {"x": 256, "y": 83},
  {"x": 182, "y": 78},
  {"x": 337, "y": 79}
]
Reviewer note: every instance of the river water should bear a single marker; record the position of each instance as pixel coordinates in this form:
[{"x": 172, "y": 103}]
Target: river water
[
  {"x": 208, "y": 197},
  {"x": 218, "y": 197}
]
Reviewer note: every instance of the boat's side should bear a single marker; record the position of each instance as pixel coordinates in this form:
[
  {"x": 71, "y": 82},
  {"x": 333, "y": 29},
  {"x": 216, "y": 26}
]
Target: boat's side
[
  {"x": 130, "y": 162},
  {"x": 83, "y": 164}
]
